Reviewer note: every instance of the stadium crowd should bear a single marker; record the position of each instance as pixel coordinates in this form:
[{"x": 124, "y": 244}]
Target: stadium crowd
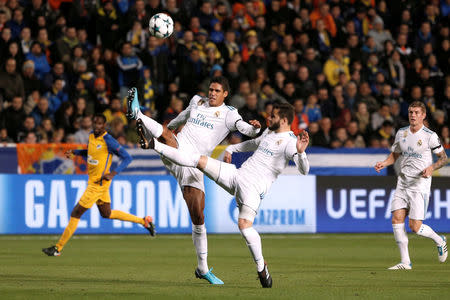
[{"x": 349, "y": 67}]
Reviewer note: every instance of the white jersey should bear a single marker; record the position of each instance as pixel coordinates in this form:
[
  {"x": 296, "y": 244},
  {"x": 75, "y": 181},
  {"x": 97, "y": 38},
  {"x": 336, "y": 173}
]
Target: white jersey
[
  {"x": 415, "y": 150},
  {"x": 272, "y": 154},
  {"x": 205, "y": 126}
]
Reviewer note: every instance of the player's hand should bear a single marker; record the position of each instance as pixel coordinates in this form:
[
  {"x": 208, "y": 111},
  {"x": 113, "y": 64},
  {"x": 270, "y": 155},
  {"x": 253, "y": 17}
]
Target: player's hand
[
  {"x": 107, "y": 177},
  {"x": 427, "y": 172},
  {"x": 255, "y": 123},
  {"x": 302, "y": 142},
  {"x": 379, "y": 166},
  {"x": 227, "y": 157},
  {"x": 69, "y": 154}
]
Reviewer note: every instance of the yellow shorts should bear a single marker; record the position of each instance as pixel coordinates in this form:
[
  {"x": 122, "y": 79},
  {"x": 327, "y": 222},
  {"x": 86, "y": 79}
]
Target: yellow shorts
[{"x": 94, "y": 194}]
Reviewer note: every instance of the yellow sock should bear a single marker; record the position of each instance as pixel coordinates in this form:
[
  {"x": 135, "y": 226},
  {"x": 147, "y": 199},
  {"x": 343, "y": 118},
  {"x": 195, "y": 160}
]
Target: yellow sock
[
  {"x": 68, "y": 232},
  {"x": 120, "y": 215}
]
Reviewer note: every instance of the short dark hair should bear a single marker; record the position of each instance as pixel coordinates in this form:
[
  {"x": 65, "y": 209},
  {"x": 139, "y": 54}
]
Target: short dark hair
[
  {"x": 101, "y": 116},
  {"x": 223, "y": 81},
  {"x": 285, "y": 110}
]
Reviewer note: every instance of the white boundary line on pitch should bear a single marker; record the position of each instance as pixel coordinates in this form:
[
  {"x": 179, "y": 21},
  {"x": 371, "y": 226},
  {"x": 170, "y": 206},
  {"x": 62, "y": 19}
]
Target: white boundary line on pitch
[{"x": 188, "y": 236}]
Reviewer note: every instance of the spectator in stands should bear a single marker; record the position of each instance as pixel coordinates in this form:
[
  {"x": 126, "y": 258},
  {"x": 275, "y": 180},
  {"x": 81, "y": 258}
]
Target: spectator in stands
[
  {"x": 15, "y": 52},
  {"x": 323, "y": 13},
  {"x": 56, "y": 72},
  {"x": 17, "y": 23},
  {"x": 41, "y": 66},
  {"x": 11, "y": 82},
  {"x": 41, "y": 111},
  {"x": 64, "y": 118},
  {"x": 64, "y": 45},
  {"x": 323, "y": 137},
  {"x": 30, "y": 81},
  {"x": 28, "y": 126},
  {"x": 129, "y": 66},
  {"x": 25, "y": 41},
  {"x": 380, "y": 117},
  {"x": 335, "y": 65},
  {"x": 250, "y": 111},
  {"x": 12, "y": 117},
  {"x": 115, "y": 111},
  {"x": 46, "y": 130},
  {"x": 445, "y": 136},
  {"x": 378, "y": 33},
  {"x": 301, "y": 120},
  {"x": 82, "y": 135},
  {"x": 4, "y": 137},
  {"x": 238, "y": 99},
  {"x": 56, "y": 96}
]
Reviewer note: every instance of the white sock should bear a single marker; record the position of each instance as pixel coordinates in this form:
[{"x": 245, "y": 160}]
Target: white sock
[
  {"x": 253, "y": 241},
  {"x": 177, "y": 156},
  {"x": 402, "y": 241},
  {"x": 426, "y": 231},
  {"x": 201, "y": 247},
  {"x": 152, "y": 126}
]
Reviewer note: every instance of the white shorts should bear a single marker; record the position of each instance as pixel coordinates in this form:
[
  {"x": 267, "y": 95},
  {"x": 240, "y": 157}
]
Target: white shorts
[
  {"x": 227, "y": 176},
  {"x": 185, "y": 176},
  {"x": 415, "y": 202}
]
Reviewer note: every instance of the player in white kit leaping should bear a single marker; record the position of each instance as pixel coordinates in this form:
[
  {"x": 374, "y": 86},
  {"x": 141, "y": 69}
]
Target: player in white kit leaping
[
  {"x": 207, "y": 121},
  {"x": 415, "y": 143},
  {"x": 273, "y": 150}
]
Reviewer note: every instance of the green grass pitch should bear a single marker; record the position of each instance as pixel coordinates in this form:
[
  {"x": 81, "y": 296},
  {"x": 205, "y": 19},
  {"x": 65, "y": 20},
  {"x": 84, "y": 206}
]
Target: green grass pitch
[{"x": 320, "y": 266}]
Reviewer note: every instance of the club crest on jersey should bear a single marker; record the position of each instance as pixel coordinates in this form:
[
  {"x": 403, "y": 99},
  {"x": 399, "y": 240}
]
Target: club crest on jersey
[
  {"x": 217, "y": 114},
  {"x": 200, "y": 102},
  {"x": 99, "y": 146},
  {"x": 419, "y": 143},
  {"x": 279, "y": 142},
  {"x": 405, "y": 133}
]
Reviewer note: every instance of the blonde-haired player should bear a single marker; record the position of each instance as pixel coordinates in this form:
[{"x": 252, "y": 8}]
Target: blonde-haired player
[{"x": 415, "y": 143}]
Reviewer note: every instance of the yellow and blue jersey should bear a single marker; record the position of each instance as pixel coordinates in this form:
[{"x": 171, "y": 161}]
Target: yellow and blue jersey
[{"x": 99, "y": 157}]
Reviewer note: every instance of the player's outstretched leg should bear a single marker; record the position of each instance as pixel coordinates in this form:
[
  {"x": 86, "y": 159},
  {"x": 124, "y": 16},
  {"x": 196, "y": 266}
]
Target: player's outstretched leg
[
  {"x": 175, "y": 155},
  {"x": 143, "y": 141},
  {"x": 441, "y": 241},
  {"x": 132, "y": 103},
  {"x": 134, "y": 112},
  {"x": 209, "y": 276},
  {"x": 442, "y": 250},
  {"x": 147, "y": 221}
]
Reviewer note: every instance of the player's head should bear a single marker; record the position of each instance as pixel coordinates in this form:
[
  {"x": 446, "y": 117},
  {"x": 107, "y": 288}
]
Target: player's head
[
  {"x": 219, "y": 89},
  {"x": 282, "y": 116},
  {"x": 99, "y": 121},
  {"x": 416, "y": 113}
]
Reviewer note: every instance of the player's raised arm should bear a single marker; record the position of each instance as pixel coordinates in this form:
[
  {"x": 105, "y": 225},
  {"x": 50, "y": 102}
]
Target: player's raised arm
[
  {"x": 117, "y": 149},
  {"x": 295, "y": 151},
  {"x": 183, "y": 116},
  {"x": 234, "y": 122},
  {"x": 247, "y": 146}
]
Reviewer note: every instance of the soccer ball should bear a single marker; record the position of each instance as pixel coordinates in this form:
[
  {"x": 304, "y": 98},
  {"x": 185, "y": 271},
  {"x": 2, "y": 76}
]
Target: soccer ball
[{"x": 161, "y": 26}]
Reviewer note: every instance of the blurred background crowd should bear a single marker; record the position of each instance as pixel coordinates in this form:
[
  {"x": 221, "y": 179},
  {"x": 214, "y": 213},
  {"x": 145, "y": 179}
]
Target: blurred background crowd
[{"x": 349, "y": 67}]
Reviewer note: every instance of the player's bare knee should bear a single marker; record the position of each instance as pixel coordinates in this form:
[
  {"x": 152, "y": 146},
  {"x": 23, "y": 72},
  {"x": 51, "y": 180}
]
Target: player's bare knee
[
  {"x": 78, "y": 211},
  {"x": 414, "y": 225},
  {"x": 105, "y": 214},
  {"x": 243, "y": 223}
]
